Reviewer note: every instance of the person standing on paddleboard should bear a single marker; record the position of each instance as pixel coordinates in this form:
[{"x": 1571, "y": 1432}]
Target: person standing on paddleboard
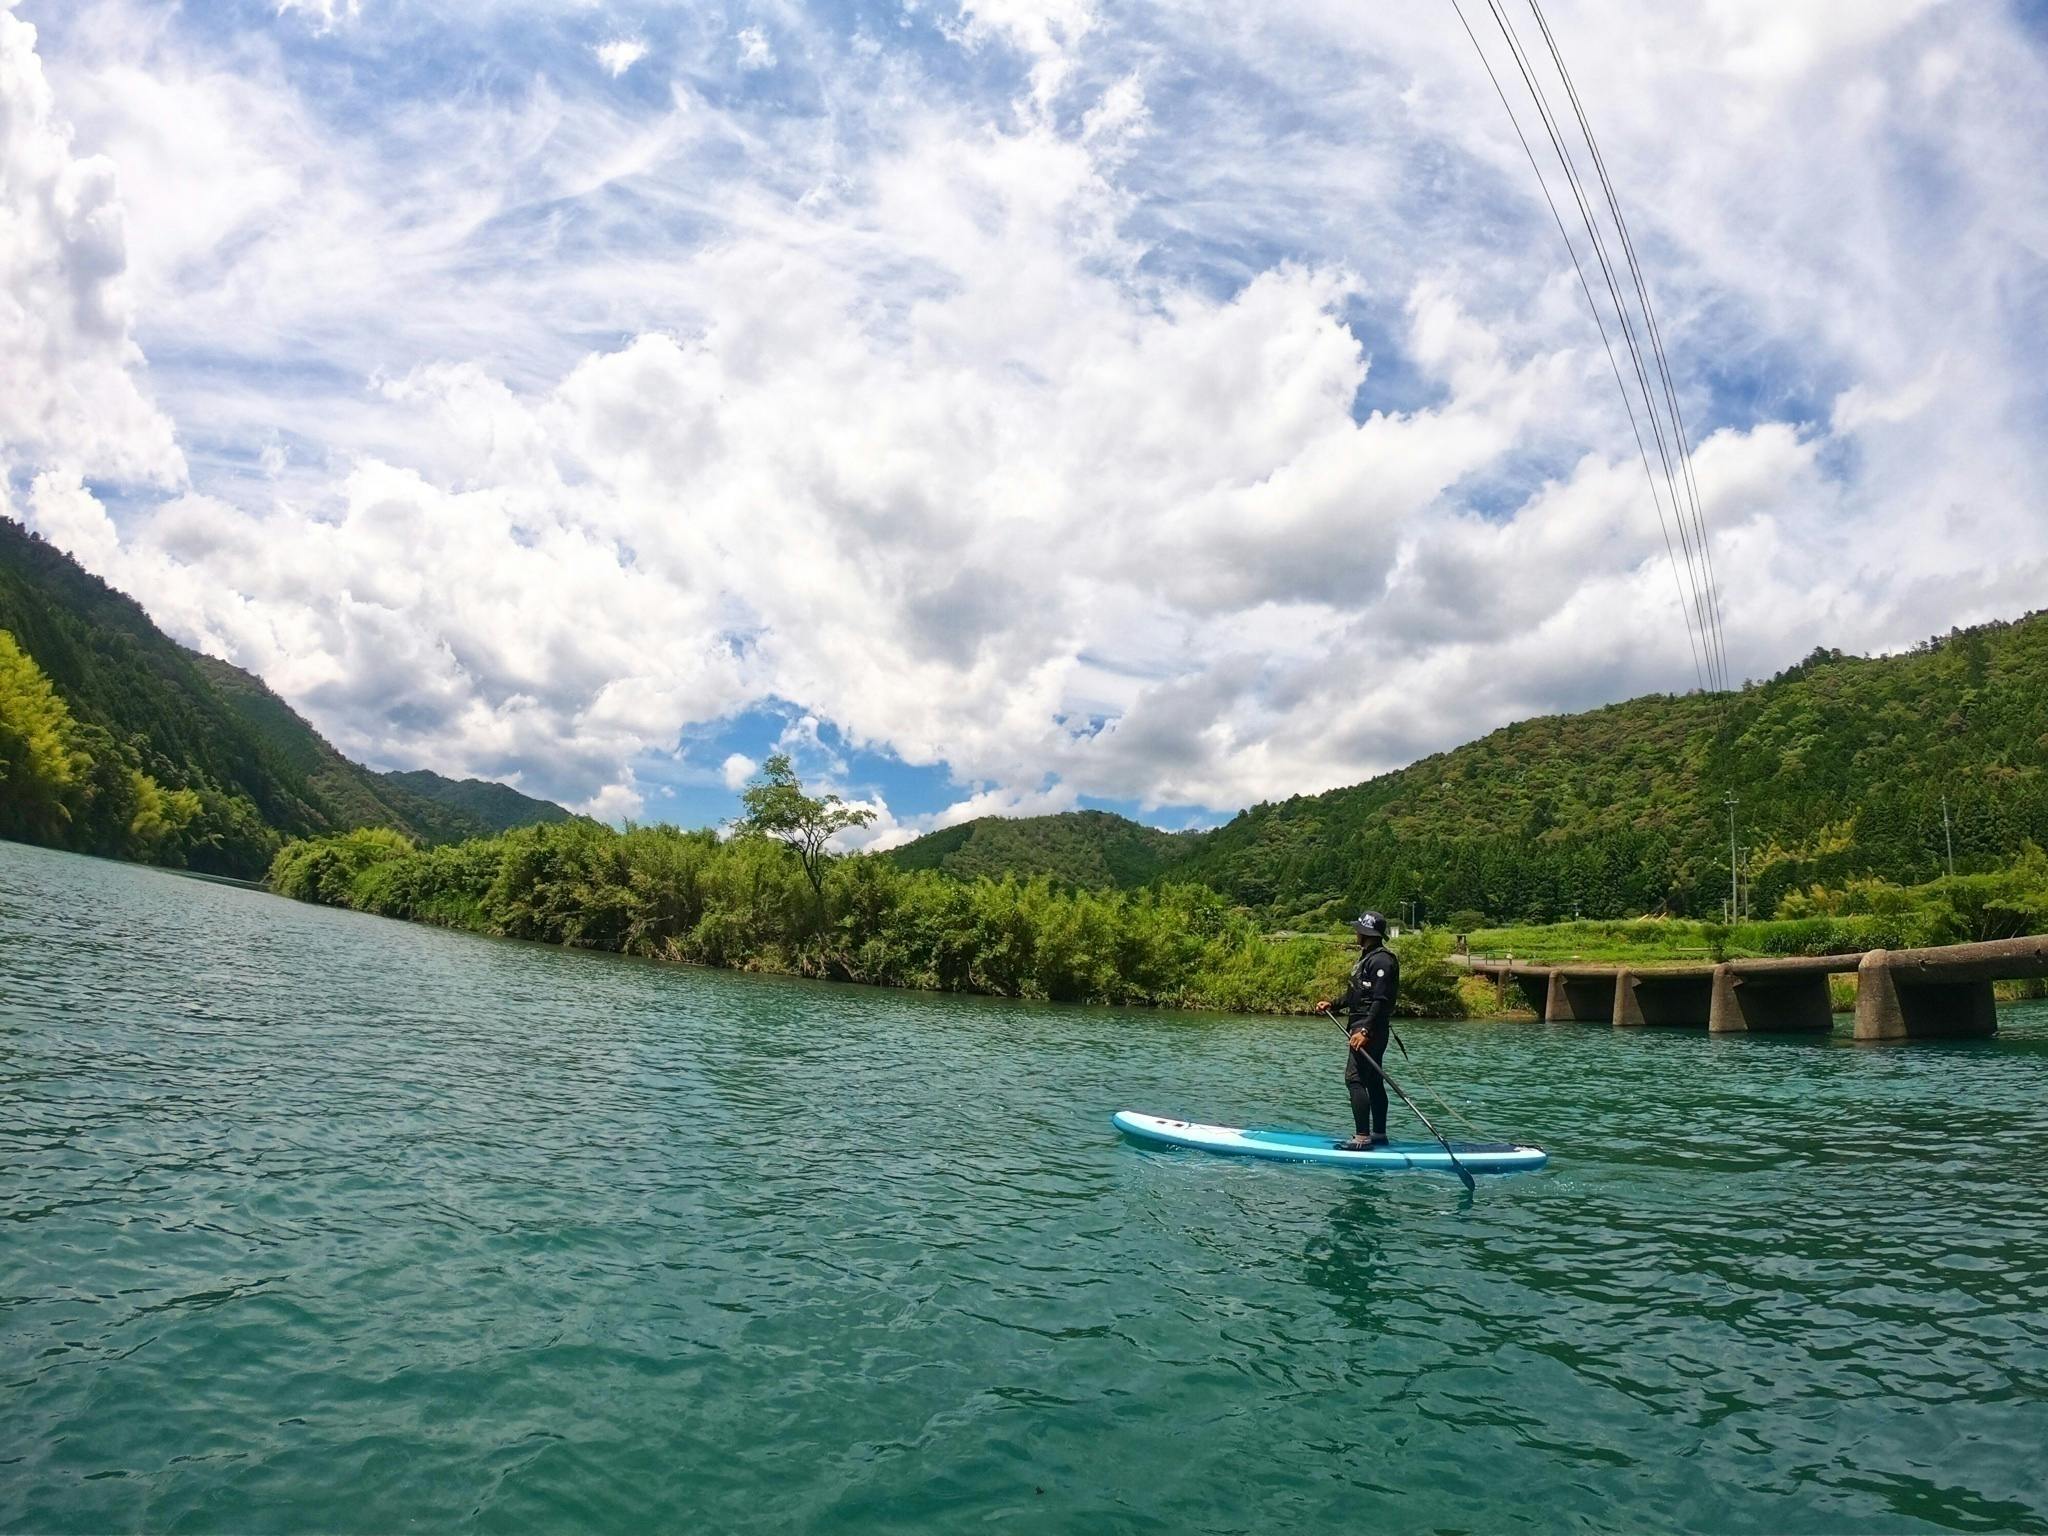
[{"x": 1368, "y": 1007}]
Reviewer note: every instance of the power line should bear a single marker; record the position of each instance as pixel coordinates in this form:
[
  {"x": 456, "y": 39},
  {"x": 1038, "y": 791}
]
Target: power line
[
  {"x": 1606, "y": 342},
  {"x": 1698, "y": 589},
  {"x": 1628, "y": 330},
  {"x": 1656, "y": 334}
]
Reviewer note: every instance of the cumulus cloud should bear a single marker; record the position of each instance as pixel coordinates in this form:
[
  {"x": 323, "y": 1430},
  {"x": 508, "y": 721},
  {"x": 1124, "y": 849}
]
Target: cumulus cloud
[
  {"x": 755, "y": 52},
  {"x": 71, "y": 374},
  {"x": 1083, "y": 438},
  {"x": 615, "y": 802},
  {"x": 737, "y": 769},
  {"x": 620, "y": 54}
]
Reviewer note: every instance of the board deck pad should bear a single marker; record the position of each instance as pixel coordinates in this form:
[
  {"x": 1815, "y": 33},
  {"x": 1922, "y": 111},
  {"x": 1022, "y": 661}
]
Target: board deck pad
[{"x": 1321, "y": 1146}]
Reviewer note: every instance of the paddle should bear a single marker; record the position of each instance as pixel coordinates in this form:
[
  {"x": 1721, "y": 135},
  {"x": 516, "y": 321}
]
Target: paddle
[{"x": 1464, "y": 1173}]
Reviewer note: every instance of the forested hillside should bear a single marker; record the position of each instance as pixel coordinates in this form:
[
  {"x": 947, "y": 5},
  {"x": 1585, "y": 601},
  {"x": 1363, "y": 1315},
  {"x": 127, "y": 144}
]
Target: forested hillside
[
  {"x": 1839, "y": 765},
  {"x": 485, "y": 802},
  {"x": 1091, "y": 850},
  {"x": 114, "y": 739}
]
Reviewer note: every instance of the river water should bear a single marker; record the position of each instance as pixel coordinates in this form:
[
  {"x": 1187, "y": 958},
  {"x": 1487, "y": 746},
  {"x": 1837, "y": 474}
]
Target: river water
[{"x": 314, "y": 1220}]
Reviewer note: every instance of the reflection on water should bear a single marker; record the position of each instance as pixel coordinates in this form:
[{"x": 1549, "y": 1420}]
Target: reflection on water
[{"x": 317, "y": 1220}]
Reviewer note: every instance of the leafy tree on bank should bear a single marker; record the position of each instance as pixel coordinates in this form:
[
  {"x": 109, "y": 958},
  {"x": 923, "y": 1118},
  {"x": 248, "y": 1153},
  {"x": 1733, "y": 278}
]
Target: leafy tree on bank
[
  {"x": 777, "y": 807},
  {"x": 70, "y": 784},
  {"x": 39, "y": 766}
]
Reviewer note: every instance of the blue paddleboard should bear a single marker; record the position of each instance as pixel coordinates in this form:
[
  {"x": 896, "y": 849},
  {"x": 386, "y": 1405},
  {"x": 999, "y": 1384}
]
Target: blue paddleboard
[{"x": 1321, "y": 1147}]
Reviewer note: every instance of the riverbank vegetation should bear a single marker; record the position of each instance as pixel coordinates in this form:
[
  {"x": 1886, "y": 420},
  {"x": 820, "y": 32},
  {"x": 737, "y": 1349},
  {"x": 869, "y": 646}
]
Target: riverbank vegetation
[
  {"x": 1820, "y": 920},
  {"x": 746, "y": 902}
]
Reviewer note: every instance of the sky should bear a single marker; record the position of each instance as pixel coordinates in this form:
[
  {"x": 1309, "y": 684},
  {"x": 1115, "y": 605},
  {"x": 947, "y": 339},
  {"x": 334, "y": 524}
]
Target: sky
[{"x": 1003, "y": 405}]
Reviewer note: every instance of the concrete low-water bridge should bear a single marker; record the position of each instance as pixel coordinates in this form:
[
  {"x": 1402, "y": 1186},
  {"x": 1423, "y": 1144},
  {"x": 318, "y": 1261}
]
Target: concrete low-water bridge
[{"x": 1901, "y": 994}]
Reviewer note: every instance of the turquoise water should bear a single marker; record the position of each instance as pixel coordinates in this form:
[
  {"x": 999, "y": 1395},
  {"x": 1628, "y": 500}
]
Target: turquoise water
[{"x": 314, "y": 1220}]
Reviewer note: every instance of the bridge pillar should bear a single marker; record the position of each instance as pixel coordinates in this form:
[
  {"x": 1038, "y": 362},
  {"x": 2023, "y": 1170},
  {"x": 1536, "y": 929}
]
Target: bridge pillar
[
  {"x": 1893, "y": 1003},
  {"x": 1583, "y": 997},
  {"x": 1648, "y": 999},
  {"x": 1780, "y": 1002}
]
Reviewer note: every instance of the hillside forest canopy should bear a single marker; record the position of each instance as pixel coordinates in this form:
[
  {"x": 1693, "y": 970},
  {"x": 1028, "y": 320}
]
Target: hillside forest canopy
[
  {"x": 119, "y": 741},
  {"x": 1842, "y": 768}
]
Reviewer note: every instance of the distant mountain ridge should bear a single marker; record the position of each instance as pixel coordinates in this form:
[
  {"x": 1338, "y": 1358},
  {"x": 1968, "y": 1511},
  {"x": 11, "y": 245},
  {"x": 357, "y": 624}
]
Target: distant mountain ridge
[
  {"x": 1094, "y": 850},
  {"x": 144, "y": 706},
  {"x": 497, "y": 807}
]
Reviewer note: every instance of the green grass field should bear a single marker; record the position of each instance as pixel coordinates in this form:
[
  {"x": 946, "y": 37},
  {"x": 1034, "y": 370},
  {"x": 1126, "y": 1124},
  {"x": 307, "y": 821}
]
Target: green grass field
[{"x": 1671, "y": 941}]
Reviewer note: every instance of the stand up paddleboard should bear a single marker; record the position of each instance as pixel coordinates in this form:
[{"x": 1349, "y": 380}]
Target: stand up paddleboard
[{"x": 1314, "y": 1147}]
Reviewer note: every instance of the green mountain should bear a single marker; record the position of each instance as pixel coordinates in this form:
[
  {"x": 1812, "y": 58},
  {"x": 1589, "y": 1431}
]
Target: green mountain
[
  {"x": 1841, "y": 767},
  {"x": 494, "y": 806},
  {"x": 115, "y": 739},
  {"x": 1091, "y": 849}
]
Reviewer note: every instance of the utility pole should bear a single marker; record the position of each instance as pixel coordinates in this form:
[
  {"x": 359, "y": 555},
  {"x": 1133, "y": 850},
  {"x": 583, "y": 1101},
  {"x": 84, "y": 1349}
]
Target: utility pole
[
  {"x": 1948, "y": 841},
  {"x": 1733, "y": 898}
]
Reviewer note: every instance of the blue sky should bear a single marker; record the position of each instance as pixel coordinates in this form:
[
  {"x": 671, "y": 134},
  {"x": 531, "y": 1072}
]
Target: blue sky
[{"x": 1004, "y": 405}]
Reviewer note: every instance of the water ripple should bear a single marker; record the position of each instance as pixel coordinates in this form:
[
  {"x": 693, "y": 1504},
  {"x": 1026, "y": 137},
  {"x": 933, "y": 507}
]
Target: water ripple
[{"x": 317, "y": 1220}]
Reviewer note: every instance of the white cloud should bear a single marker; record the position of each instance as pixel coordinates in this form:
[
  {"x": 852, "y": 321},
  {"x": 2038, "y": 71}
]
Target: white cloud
[
  {"x": 64, "y": 512},
  {"x": 737, "y": 769},
  {"x": 755, "y": 52},
  {"x": 1048, "y": 32},
  {"x": 324, "y": 15},
  {"x": 620, "y": 54},
  {"x": 70, "y": 371},
  {"x": 614, "y": 803}
]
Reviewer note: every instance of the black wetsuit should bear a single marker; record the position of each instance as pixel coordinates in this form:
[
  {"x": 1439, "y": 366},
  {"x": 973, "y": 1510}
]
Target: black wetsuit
[{"x": 1368, "y": 1004}]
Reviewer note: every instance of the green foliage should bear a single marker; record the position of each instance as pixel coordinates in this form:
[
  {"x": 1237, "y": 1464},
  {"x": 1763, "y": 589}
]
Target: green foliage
[
  {"x": 748, "y": 902},
  {"x": 471, "y": 807},
  {"x": 1093, "y": 850},
  {"x": 332, "y": 869},
  {"x": 1859, "y": 914},
  {"x": 1840, "y": 766},
  {"x": 2001, "y": 904},
  {"x": 70, "y": 784},
  {"x": 777, "y": 807},
  {"x": 39, "y": 765}
]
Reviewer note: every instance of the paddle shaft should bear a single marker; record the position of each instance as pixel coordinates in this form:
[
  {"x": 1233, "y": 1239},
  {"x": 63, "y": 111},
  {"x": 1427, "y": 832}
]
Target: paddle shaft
[{"x": 1464, "y": 1173}]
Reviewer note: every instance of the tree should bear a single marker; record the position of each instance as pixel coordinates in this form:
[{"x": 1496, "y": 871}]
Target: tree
[
  {"x": 40, "y": 762},
  {"x": 777, "y": 807}
]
